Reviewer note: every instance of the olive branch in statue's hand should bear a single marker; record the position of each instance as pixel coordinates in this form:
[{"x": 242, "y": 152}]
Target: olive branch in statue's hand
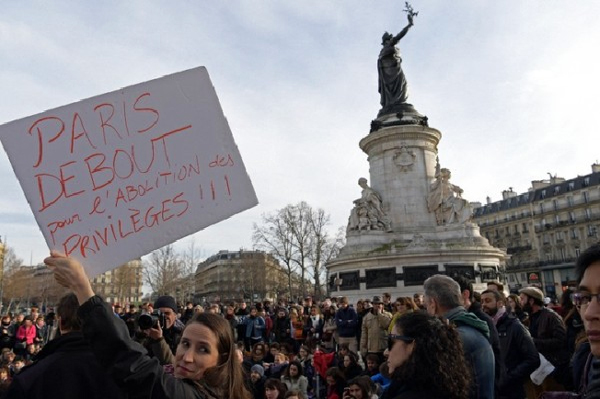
[{"x": 410, "y": 12}]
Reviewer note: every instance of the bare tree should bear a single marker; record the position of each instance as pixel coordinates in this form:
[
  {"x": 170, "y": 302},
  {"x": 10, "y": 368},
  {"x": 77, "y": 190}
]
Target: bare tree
[
  {"x": 297, "y": 236},
  {"x": 275, "y": 237},
  {"x": 163, "y": 270},
  {"x": 189, "y": 264}
]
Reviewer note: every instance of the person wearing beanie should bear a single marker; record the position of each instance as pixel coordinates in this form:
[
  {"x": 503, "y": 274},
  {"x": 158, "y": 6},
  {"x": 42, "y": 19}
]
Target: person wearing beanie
[
  {"x": 170, "y": 332},
  {"x": 257, "y": 381}
]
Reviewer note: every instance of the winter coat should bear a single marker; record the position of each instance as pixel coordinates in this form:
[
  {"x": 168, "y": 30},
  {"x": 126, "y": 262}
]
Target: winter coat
[
  {"x": 474, "y": 335},
  {"x": 65, "y": 368},
  {"x": 518, "y": 354},
  {"x": 26, "y": 334},
  {"x": 281, "y": 328},
  {"x": 551, "y": 336},
  {"x": 374, "y": 334},
  {"x": 300, "y": 383},
  {"x": 255, "y": 327},
  {"x": 346, "y": 320}
]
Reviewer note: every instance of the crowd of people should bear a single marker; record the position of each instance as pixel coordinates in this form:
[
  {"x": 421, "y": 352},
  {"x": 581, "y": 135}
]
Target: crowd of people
[{"x": 446, "y": 342}]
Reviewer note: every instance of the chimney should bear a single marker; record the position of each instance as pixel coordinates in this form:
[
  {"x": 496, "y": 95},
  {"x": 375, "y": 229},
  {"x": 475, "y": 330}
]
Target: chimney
[
  {"x": 506, "y": 194},
  {"x": 596, "y": 167},
  {"x": 488, "y": 200}
]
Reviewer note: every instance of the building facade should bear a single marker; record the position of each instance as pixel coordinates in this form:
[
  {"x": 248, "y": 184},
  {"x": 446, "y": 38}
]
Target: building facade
[
  {"x": 233, "y": 276},
  {"x": 122, "y": 285},
  {"x": 544, "y": 230}
]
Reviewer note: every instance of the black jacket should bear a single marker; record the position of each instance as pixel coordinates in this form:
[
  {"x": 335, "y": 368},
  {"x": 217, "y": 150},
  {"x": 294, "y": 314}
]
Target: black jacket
[
  {"x": 519, "y": 356},
  {"x": 65, "y": 368},
  {"x": 127, "y": 361}
]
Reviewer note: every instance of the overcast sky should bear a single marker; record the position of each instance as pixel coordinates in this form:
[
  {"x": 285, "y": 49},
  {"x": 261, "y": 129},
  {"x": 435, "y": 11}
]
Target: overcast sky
[{"x": 513, "y": 87}]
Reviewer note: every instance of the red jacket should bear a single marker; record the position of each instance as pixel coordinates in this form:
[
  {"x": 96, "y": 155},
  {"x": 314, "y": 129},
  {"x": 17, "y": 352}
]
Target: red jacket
[{"x": 27, "y": 334}]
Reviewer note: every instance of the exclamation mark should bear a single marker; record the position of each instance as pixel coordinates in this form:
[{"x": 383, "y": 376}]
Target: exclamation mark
[{"x": 227, "y": 184}]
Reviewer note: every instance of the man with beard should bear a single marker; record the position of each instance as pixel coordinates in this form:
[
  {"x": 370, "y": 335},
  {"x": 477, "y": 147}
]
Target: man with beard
[
  {"x": 519, "y": 357},
  {"x": 550, "y": 338}
]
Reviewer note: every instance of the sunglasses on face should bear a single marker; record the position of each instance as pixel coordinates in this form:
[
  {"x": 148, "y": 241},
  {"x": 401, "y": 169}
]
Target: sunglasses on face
[{"x": 392, "y": 338}]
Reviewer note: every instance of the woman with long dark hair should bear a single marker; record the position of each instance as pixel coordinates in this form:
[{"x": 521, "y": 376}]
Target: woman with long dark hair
[
  {"x": 514, "y": 306},
  {"x": 206, "y": 364},
  {"x": 426, "y": 360}
]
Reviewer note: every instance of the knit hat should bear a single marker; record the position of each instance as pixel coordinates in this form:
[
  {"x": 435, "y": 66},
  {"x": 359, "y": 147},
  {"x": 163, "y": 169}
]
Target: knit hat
[
  {"x": 257, "y": 368},
  {"x": 166, "y": 302},
  {"x": 533, "y": 292}
]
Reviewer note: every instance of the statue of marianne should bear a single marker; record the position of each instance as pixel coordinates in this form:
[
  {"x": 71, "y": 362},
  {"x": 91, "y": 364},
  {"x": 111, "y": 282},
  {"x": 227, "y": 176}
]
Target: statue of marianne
[{"x": 392, "y": 82}]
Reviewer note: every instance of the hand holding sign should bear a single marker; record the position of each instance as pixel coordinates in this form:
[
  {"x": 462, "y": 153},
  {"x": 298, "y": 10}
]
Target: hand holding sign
[{"x": 114, "y": 177}]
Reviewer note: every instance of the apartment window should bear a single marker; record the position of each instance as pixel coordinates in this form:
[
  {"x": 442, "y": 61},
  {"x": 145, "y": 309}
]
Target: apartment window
[
  {"x": 559, "y": 235},
  {"x": 574, "y": 233},
  {"x": 571, "y": 186},
  {"x": 563, "y": 254},
  {"x": 556, "y": 189},
  {"x": 572, "y": 217},
  {"x": 586, "y": 197},
  {"x": 526, "y": 196},
  {"x": 577, "y": 252},
  {"x": 557, "y": 219},
  {"x": 543, "y": 193},
  {"x": 588, "y": 213},
  {"x": 586, "y": 181},
  {"x": 541, "y": 207},
  {"x": 570, "y": 200},
  {"x": 525, "y": 228},
  {"x": 555, "y": 203},
  {"x": 516, "y": 228}
]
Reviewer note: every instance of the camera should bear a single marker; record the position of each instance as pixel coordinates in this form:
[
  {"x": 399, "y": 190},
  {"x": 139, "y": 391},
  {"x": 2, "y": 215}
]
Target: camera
[{"x": 152, "y": 320}]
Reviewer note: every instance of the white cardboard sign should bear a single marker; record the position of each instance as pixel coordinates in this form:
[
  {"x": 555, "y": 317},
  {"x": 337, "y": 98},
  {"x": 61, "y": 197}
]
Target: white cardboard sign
[{"x": 116, "y": 176}]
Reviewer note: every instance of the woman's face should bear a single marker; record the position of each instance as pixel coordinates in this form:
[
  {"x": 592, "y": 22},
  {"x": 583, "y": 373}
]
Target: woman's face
[
  {"x": 511, "y": 303},
  {"x": 271, "y": 393},
  {"x": 293, "y": 370},
  {"x": 355, "y": 391},
  {"x": 347, "y": 361},
  {"x": 303, "y": 353},
  {"x": 399, "y": 353},
  {"x": 196, "y": 352}
]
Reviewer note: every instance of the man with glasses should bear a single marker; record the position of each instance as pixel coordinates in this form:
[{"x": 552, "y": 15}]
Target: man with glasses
[
  {"x": 586, "y": 299},
  {"x": 550, "y": 337}
]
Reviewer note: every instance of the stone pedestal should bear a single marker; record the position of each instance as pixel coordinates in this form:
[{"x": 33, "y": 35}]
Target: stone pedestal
[{"x": 403, "y": 163}]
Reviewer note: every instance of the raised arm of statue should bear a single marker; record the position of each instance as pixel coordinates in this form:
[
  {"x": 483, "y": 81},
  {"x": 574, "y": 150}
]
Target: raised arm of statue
[{"x": 402, "y": 33}]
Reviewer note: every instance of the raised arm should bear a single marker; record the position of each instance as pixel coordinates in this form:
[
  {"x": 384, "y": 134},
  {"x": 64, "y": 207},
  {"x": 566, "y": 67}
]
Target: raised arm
[
  {"x": 403, "y": 32},
  {"x": 69, "y": 273}
]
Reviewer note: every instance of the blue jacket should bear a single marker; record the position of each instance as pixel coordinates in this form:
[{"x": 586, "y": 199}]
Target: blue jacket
[
  {"x": 347, "y": 322},
  {"x": 479, "y": 355},
  {"x": 259, "y": 325}
]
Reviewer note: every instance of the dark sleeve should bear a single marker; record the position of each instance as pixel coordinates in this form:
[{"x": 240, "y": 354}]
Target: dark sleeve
[
  {"x": 126, "y": 360},
  {"x": 530, "y": 358},
  {"x": 353, "y": 322},
  {"x": 558, "y": 338}
]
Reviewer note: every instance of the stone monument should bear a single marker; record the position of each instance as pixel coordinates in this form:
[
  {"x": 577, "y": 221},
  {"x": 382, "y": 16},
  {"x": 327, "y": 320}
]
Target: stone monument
[{"x": 411, "y": 222}]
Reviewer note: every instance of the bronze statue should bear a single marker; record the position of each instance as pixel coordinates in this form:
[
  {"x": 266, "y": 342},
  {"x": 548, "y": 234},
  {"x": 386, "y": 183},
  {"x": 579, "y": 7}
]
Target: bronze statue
[{"x": 392, "y": 82}]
